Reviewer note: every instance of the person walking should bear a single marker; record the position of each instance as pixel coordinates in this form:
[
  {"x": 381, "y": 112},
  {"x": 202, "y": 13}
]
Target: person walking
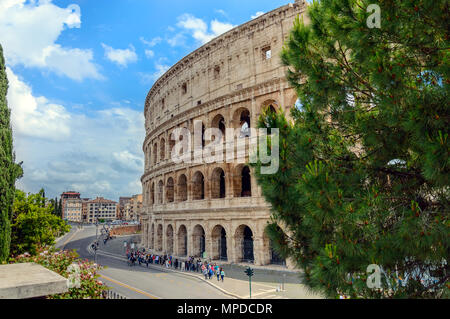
[
  {"x": 205, "y": 272},
  {"x": 222, "y": 273}
]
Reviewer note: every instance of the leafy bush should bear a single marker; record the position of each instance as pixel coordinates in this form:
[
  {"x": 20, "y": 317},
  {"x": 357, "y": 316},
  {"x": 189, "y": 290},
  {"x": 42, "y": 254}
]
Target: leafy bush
[
  {"x": 59, "y": 261},
  {"x": 34, "y": 224}
]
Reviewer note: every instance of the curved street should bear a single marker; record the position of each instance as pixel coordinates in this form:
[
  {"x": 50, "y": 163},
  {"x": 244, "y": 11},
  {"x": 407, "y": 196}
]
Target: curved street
[{"x": 138, "y": 282}]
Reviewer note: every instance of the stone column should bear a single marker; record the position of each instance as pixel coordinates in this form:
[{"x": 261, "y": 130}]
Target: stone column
[
  {"x": 231, "y": 247},
  {"x": 260, "y": 251},
  {"x": 175, "y": 240}
]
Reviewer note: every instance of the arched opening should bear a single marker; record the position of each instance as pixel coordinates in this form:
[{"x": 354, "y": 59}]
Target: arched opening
[
  {"x": 219, "y": 243},
  {"x": 198, "y": 186},
  {"x": 244, "y": 247},
  {"x": 159, "y": 237},
  {"x": 244, "y": 123},
  {"x": 170, "y": 190},
  {"x": 242, "y": 181},
  {"x": 169, "y": 238},
  {"x": 219, "y": 122},
  {"x": 160, "y": 192},
  {"x": 246, "y": 190},
  {"x": 182, "y": 241},
  {"x": 171, "y": 146},
  {"x": 198, "y": 240},
  {"x": 182, "y": 188},
  {"x": 269, "y": 108},
  {"x": 218, "y": 183},
  {"x": 152, "y": 194},
  {"x": 162, "y": 147},
  {"x": 155, "y": 153}
]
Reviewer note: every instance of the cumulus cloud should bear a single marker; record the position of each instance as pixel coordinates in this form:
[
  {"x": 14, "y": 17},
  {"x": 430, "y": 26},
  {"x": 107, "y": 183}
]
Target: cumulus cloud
[
  {"x": 29, "y": 31},
  {"x": 149, "y": 78},
  {"x": 257, "y": 14},
  {"x": 149, "y": 54},
  {"x": 122, "y": 57},
  {"x": 152, "y": 42},
  {"x": 35, "y": 116},
  {"x": 98, "y": 155},
  {"x": 198, "y": 28}
]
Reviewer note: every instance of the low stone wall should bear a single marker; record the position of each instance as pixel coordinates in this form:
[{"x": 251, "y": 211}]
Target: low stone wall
[{"x": 125, "y": 230}]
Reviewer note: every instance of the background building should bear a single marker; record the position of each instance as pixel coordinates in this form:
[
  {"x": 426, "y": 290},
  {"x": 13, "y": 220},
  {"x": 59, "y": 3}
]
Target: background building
[
  {"x": 100, "y": 208},
  {"x": 121, "y": 207},
  {"x": 133, "y": 208},
  {"x": 70, "y": 195}
]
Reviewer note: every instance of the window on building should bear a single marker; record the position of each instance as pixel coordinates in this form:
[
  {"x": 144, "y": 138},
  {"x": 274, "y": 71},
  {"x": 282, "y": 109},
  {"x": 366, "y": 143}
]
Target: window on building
[
  {"x": 184, "y": 88},
  {"x": 216, "y": 72},
  {"x": 266, "y": 53}
]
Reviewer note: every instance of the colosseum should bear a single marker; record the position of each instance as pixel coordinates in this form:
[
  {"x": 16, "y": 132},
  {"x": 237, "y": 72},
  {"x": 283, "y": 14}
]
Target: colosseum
[{"x": 214, "y": 210}]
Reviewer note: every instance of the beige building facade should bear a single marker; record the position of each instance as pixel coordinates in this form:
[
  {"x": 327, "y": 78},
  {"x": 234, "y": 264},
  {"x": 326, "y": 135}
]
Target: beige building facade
[
  {"x": 101, "y": 209},
  {"x": 133, "y": 208},
  {"x": 214, "y": 210}
]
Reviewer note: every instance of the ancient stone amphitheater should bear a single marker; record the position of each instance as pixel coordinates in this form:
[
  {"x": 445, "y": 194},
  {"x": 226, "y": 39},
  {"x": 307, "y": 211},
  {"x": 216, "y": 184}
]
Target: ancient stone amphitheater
[{"x": 214, "y": 210}]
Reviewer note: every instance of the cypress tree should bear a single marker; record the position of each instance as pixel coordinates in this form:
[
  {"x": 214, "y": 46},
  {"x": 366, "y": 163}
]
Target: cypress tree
[
  {"x": 9, "y": 170},
  {"x": 364, "y": 165}
]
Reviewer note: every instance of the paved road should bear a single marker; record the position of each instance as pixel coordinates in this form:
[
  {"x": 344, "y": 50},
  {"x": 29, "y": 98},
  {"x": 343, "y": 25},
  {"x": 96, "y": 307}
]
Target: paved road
[{"x": 140, "y": 282}]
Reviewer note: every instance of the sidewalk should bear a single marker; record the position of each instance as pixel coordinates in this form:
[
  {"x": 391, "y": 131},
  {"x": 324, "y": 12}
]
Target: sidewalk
[{"x": 237, "y": 288}]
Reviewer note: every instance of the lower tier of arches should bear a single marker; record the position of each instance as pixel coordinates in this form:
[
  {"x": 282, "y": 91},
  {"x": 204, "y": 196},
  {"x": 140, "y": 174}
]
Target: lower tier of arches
[{"x": 233, "y": 241}]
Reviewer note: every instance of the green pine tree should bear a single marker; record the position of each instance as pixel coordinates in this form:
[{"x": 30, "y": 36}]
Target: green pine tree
[
  {"x": 9, "y": 170},
  {"x": 364, "y": 165}
]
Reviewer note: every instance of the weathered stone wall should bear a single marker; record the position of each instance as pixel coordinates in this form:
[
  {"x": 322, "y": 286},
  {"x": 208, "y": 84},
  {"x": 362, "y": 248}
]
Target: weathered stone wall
[
  {"x": 124, "y": 230},
  {"x": 226, "y": 82}
]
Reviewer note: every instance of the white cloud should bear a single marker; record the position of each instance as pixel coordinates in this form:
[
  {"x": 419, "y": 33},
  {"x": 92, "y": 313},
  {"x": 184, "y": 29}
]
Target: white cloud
[
  {"x": 257, "y": 14},
  {"x": 35, "y": 116},
  {"x": 149, "y": 78},
  {"x": 152, "y": 42},
  {"x": 98, "y": 155},
  {"x": 199, "y": 29},
  {"x": 122, "y": 57},
  {"x": 29, "y": 31},
  {"x": 149, "y": 54}
]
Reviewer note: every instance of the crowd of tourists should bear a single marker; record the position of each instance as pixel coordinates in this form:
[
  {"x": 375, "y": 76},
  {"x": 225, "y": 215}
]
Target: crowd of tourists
[{"x": 191, "y": 264}]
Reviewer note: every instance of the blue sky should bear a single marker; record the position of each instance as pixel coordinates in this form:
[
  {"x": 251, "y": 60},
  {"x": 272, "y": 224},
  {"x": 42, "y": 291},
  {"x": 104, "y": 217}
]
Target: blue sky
[{"x": 79, "y": 72}]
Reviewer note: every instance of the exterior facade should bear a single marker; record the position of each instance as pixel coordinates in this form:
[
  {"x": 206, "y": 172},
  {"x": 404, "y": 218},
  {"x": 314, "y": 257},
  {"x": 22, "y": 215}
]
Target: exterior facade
[
  {"x": 133, "y": 207},
  {"x": 73, "y": 210},
  {"x": 121, "y": 207},
  {"x": 214, "y": 210},
  {"x": 100, "y": 208},
  {"x": 72, "y": 197}
]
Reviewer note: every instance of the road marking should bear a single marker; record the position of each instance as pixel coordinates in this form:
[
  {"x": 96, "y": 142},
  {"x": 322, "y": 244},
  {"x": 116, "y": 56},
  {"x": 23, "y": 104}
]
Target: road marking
[{"x": 129, "y": 287}]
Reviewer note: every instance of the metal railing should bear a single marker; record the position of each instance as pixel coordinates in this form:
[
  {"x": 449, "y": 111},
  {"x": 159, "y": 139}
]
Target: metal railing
[{"x": 111, "y": 294}]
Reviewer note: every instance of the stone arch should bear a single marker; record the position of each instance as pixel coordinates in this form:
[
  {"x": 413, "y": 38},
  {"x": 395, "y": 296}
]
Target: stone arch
[
  {"x": 160, "y": 192},
  {"x": 155, "y": 153},
  {"x": 159, "y": 237},
  {"x": 244, "y": 244},
  {"x": 182, "y": 191},
  {"x": 152, "y": 194},
  {"x": 162, "y": 149},
  {"x": 219, "y": 243},
  {"x": 198, "y": 186},
  {"x": 198, "y": 241},
  {"x": 270, "y": 104},
  {"x": 170, "y": 196},
  {"x": 171, "y": 145},
  {"x": 169, "y": 239},
  {"x": 242, "y": 121},
  {"x": 218, "y": 184},
  {"x": 219, "y": 122},
  {"x": 182, "y": 241},
  {"x": 242, "y": 181}
]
